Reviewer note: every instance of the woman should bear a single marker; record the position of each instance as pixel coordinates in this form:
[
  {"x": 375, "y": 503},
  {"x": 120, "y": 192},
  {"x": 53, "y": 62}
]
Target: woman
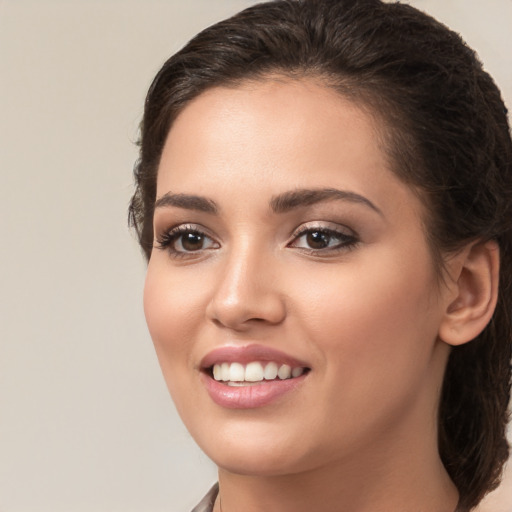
[{"x": 324, "y": 197}]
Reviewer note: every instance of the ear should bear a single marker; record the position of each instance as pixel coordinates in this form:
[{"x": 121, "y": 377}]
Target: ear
[{"x": 472, "y": 292}]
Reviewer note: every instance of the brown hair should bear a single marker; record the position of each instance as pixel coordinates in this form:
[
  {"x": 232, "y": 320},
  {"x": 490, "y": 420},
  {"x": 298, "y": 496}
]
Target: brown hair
[{"x": 447, "y": 136}]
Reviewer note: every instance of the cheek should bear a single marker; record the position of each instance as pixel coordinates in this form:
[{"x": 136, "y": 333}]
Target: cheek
[
  {"x": 374, "y": 335},
  {"x": 371, "y": 320},
  {"x": 172, "y": 308}
]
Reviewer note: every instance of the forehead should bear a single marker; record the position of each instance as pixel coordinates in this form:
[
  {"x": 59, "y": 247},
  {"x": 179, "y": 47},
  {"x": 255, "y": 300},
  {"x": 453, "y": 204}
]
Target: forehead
[{"x": 268, "y": 127}]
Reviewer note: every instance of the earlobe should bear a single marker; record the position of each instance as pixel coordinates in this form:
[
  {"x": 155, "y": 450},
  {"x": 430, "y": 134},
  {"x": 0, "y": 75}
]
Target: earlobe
[{"x": 475, "y": 276}]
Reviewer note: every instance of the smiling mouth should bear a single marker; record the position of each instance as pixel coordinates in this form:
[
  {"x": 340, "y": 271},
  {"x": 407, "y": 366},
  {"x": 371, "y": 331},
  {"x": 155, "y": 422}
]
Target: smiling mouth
[{"x": 253, "y": 373}]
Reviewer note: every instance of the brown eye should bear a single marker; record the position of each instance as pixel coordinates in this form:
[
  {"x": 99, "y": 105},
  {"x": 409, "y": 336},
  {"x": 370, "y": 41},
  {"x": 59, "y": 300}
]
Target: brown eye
[
  {"x": 323, "y": 240},
  {"x": 318, "y": 240},
  {"x": 184, "y": 240},
  {"x": 190, "y": 242}
]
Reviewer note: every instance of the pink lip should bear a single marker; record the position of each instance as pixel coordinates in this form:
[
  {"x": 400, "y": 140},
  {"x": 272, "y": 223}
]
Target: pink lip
[
  {"x": 249, "y": 397},
  {"x": 247, "y": 354},
  {"x": 254, "y": 395}
]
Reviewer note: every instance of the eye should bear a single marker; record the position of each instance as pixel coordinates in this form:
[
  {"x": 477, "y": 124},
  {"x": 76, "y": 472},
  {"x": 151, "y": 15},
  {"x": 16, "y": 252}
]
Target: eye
[
  {"x": 322, "y": 238},
  {"x": 184, "y": 240}
]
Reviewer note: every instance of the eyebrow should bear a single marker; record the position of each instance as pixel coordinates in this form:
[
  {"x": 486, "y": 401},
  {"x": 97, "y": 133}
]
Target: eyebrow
[
  {"x": 188, "y": 202},
  {"x": 305, "y": 197},
  {"x": 281, "y": 203}
]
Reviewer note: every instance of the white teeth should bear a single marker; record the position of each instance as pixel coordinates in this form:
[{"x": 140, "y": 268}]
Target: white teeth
[
  {"x": 237, "y": 374},
  {"x": 217, "y": 372},
  {"x": 270, "y": 372},
  {"x": 254, "y": 372},
  {"x": 284, "y": 372},
  {"x": 297, "y": 372},
  {"x": 224, "y": 372}
]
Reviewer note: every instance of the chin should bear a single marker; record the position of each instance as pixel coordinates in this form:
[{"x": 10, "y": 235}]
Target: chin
[
  {"x": 257, "y": 451},
  {"x": 261, "y": 462}
]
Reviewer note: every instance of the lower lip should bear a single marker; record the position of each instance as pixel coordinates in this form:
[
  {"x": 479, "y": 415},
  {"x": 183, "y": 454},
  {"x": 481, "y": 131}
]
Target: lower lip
[{"x": 252, "y": 396}]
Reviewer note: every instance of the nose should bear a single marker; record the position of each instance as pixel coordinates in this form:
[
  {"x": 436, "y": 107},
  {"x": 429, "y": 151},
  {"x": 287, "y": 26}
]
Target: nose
[{"x": 247, "y": 292}]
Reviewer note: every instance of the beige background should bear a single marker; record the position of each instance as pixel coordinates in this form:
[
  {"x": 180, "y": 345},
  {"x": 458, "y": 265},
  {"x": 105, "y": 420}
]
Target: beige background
[{"x": 85, "y": 420}]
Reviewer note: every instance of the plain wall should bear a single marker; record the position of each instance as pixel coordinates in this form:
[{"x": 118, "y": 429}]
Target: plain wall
[{"x": 86, "y": 423}]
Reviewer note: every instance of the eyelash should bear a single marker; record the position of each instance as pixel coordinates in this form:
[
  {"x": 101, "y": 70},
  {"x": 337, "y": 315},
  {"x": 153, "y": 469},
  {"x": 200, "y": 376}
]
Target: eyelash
[{"x": 166, "y": 240}]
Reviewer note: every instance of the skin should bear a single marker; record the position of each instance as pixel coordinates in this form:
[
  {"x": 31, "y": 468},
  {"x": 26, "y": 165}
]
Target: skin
[{"x": 360, "y": 430}]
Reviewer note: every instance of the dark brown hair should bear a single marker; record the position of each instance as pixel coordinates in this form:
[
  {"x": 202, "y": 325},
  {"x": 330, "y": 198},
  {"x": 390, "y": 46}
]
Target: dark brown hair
[{"x": 446, "y": 134}]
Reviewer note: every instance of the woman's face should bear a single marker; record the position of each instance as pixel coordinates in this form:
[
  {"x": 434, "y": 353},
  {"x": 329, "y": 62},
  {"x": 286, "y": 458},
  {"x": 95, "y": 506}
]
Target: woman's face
[{"x": 283, "y": 243}]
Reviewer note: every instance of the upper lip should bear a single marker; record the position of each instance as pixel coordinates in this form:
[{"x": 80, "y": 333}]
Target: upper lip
[{"x": 247, "y": 354}]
